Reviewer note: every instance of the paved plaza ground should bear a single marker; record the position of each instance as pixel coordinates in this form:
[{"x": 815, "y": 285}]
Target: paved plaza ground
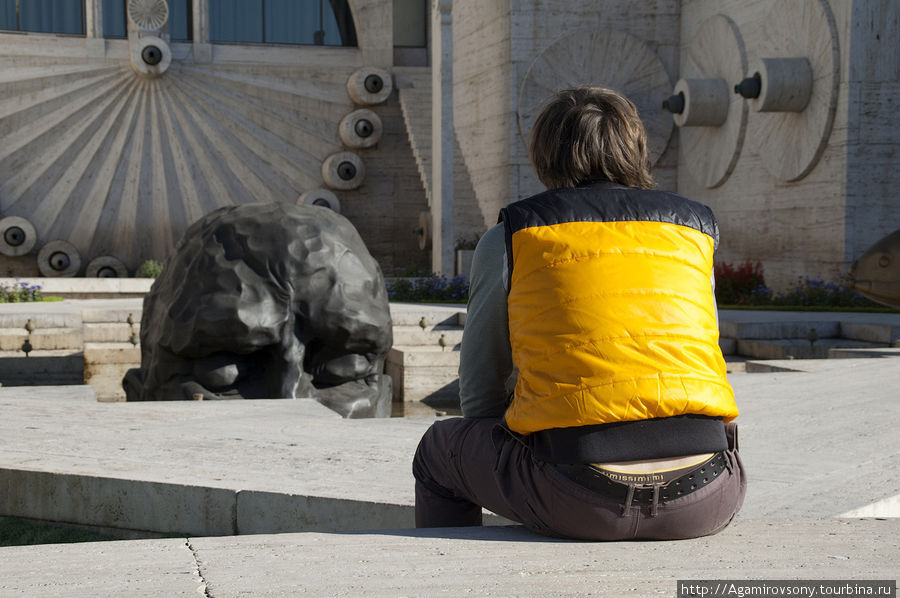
[{"x": 323, "y": 505}]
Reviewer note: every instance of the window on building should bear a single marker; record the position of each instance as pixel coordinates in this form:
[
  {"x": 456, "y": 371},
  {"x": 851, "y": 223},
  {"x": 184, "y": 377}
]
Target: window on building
[
  {"x": 115, "y": 19},
  {"x": 410, "y": 23},
  {"x": 318, "y": 22},
  {"x": 43, "y": 16}
]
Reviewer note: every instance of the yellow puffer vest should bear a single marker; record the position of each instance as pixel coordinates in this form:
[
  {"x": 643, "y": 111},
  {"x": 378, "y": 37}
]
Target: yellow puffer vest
[{"x": 611, "y": 311}]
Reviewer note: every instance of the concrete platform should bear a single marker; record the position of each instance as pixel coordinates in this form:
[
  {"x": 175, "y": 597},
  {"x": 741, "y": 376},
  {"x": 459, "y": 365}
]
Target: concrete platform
[
  {"x": 819, "y": 443},
  {"x": 818, "y": 438},
  {"x": 495, "y": 561}
]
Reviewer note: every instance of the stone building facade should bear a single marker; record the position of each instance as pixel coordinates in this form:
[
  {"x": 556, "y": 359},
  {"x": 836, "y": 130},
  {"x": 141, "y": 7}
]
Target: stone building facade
[{"x": 105, "y": 156}]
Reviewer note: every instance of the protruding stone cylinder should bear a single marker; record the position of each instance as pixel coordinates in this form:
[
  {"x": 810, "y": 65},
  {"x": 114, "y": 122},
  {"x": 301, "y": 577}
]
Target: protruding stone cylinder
[
  {"x": 17, "y": 236},
  {"x": 705, "y": 102},
  {"x": 360, "y": 128},
  {"x": 320, "y": 197},
  {"x": 423, "y": 231},
  {"x": 59, "y": 259},
  {"x": 369, "y": 86},
  {"x": 150, "y": 56},
  {"x": 106, "y": 266},
  {"x": 343, "y": 170},
  {"x": 785, "y": 84}
]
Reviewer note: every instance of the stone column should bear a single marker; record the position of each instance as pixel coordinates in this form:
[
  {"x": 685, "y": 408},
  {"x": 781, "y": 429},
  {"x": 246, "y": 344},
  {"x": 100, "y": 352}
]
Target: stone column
[
  {"x": 202, "y": 47},
  {"x": 93, "y": 28},
  {"x": 442, "y": 242}
]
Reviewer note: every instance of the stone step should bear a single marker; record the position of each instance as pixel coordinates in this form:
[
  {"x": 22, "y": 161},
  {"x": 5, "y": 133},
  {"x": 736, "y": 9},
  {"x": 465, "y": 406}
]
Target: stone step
[
  {"x": 779, "y": 329},
  {"x": 110, "y": 316},
  {"x": 791, "y": 348},
  {"x": 49, "y": 339},
  {"x": 41, "y": 368},
  {"x": 411, "y": 336},
  {"x": 420, "y": 373},
  {"x": 105, "y": 364},
  {"x": 410, "y": 314},
  {"x": 873, "y": 333},
  {"x": 727, "y": 345},
  {"x": 110, "y": 332},
  {"x": 40, "y": 320},
  {"x": 850, "y": 353}
]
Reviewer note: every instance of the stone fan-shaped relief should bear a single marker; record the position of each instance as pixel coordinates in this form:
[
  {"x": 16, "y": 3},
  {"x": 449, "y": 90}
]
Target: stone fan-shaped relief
[
  {"x": 604, "y": 58},
  {"x": 119, "y": 164}
]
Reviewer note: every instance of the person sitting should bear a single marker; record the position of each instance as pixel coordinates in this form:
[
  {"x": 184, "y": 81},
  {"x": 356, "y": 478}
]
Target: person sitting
[{"x": 596, "y": 299}]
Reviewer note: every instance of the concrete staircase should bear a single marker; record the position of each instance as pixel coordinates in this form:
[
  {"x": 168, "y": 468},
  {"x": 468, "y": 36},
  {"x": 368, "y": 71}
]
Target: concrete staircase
[
  {"x": 93, "y": 347},
  {"x": 97, "y": 346},
  {"x": 414, "y": 91},
  {"x": 424, "y": 360},
  {"x": 784, "y": 338},
  {"x": 53, "y": 347}
]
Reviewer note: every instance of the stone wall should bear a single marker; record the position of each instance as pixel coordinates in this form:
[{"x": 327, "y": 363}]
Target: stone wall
[
  {"x": 494, "y": 47},
  {"x": 816, "y": 224},
  {"x": 873, "y": 115},
  {"x": 113, "y": 161},
  {"x": 483, "y": 99}
]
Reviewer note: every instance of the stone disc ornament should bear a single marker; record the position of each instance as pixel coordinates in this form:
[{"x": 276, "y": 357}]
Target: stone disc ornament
[
  {"x": 361, "y": 128},
  {"x": 148, "y": 15},
  {"x": 150, "y": 56},
  {"x": 369, "y": 86},
  {"x": 715, "y": 54},
  {"x": 17, "y": 236},
  {"x": 423, "y": 230},
  {"x": 343, "y": 170},
  {"x": 320, "y": 197},
  {"x": 106, "y": 266},
  {"x": 791, "y": 143},
  {"x": 602, "y": 58},
  {"x": 59, "y": 259}
]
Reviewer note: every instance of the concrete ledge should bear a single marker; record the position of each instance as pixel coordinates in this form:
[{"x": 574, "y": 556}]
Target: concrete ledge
[
  {"x": 491, "y": 561},
  {"x": 85, "y": 288}
]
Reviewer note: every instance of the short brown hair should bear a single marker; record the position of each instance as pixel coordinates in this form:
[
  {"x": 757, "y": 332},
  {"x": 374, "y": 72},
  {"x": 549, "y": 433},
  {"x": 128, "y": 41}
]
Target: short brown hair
[{"x": 590, "y": 132}]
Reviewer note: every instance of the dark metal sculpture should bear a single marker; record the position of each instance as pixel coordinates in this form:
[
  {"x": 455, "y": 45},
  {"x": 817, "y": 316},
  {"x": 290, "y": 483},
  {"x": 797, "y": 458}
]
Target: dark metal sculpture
[
  {"x": 876, "y": 274},
  {"x": 268, "y": 301}
]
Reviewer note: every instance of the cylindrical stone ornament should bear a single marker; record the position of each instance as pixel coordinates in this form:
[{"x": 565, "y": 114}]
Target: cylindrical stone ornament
[
  {"x": 343, "y": 170},
  {"x": 361, "y": 128},
  {"x": 705, "y": 102},
  {"x": 320, "y": 197},
  {"x": 369, "y": 85},
  {"x": 106, "y": 266},
  {"x": 58, "y": 259},
  {"x": 785, "y": 84},
  {"x": 17, "y": 236}
]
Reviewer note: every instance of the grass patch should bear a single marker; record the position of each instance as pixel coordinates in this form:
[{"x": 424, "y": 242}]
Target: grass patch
[{"x": 18, "y": 532}]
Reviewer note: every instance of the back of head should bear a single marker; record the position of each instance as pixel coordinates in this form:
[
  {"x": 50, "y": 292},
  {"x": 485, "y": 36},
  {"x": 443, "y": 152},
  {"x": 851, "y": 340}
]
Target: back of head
[{"x": 588, "y": 133}]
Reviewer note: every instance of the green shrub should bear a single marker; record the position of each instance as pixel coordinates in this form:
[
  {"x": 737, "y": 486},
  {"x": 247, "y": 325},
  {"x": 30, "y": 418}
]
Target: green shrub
[
  {"x": 818, "y": 293},
  {"x": 745, "y": 285},
  {"x": 432, "y": 288},
  {"x": 149, "y": 269}
]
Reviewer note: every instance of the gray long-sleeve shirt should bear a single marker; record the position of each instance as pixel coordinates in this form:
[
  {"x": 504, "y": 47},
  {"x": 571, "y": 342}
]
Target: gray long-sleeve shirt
[{"x": 485, "y": 364}]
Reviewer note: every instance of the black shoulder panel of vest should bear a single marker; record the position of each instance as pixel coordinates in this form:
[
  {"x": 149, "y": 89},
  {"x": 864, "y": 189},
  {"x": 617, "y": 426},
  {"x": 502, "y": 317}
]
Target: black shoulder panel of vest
[{"x": 607, "y": 202}]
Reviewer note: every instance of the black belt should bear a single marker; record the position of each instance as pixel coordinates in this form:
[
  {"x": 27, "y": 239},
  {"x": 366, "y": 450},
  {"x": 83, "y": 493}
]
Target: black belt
[{"x": 592, "y": 478}]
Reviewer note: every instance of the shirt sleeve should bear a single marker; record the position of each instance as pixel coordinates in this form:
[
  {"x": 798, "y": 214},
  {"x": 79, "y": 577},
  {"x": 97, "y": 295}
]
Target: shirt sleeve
[{"x": 485, "y": 364}]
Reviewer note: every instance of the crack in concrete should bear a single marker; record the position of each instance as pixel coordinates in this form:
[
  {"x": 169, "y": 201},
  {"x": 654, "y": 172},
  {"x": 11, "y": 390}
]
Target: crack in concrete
[{"x": 204, "y": 586}]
